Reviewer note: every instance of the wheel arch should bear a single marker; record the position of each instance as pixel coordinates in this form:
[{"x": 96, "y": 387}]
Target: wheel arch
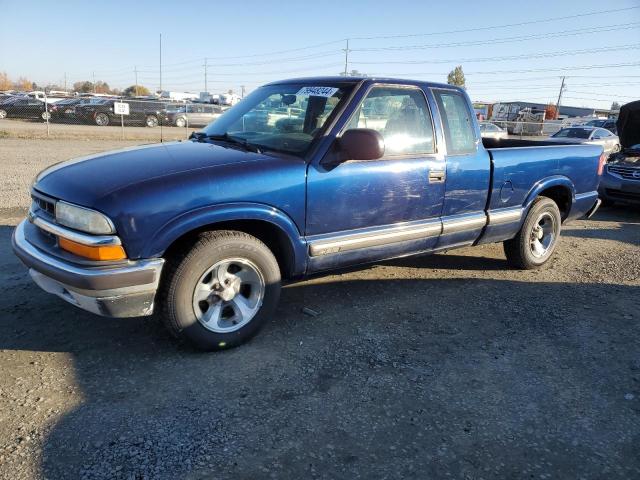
[
  {"x": 271, "y": 226},
  {"x": 558, "y": 188}
]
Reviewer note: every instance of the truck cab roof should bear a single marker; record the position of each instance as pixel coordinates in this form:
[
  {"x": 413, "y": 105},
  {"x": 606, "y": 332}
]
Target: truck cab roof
[{"x": 356, "y": 80}]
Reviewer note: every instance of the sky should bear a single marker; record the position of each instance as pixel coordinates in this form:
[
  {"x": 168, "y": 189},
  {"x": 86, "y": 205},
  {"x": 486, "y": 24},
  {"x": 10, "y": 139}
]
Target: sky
[{"x": 508, "y": 49}]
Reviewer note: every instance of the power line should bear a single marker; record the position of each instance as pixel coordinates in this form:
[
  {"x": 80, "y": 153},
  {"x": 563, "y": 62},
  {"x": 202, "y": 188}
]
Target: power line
[
  {"x": 333, "y": 42},
  {"x": 525, "y": 70},
  {"x": 518, "y": 38},
  {"x": 493, "y": 27},
  {"x": 559, "y": 53}
]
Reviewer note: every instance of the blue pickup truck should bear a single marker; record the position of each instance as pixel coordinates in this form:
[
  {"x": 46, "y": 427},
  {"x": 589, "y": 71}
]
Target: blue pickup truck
[{"x": 302, "y": 176}]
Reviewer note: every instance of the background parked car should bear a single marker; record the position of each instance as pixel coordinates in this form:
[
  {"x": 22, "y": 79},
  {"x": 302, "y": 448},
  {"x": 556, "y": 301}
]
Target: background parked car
[
  {"x": 620, "y": 181},
  {"x": 23, "y": 107},
  {"x": 193, "y": 114},
  {"x": 591, "y": 135},
  {"x": 608, "y": 124},
  {"x": 491, "y": 130},
  {"x": 141, "y": 112},
  {"x": 65, "y": 110}
]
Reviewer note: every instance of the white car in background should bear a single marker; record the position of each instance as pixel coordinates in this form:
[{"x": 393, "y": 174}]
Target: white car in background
[
  {"x": 491, "y": 130},
  {"x": 590, "y": 135}
]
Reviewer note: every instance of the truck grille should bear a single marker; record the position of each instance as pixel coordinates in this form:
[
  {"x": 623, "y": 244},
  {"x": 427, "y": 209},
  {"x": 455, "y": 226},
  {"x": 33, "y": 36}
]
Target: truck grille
[
  {"x": 45, "y": 204},
  {"x": 630, "y": 173}
]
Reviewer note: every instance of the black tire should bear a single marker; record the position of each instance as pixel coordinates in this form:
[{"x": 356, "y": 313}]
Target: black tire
[
  {"x": 102, "y": 119},
  {"x": 183, "y": 275},
  {"x": 151, "y": 121},
  {"x": 522, "y": 251}
]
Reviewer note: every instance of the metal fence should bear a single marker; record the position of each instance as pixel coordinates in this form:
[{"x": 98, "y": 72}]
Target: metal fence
[{"x": 103, "y": 117}]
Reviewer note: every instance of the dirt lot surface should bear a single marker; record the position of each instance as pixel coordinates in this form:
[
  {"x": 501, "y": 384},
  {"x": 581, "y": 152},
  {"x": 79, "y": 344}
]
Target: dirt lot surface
[{"x": 450, "y": 366}]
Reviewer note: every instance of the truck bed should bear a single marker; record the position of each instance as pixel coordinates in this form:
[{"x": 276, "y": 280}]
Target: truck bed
[{"x": 516, "y": 142}]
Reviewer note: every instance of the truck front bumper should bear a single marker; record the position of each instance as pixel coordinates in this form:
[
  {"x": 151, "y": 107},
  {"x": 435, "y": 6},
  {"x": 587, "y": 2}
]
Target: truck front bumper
[{"x": 123, "y": 290}]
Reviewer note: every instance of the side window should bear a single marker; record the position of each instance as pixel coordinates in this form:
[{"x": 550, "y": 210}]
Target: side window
[
  {"x": 458, "y": 126},
  {"x": 402, "y": 117}
]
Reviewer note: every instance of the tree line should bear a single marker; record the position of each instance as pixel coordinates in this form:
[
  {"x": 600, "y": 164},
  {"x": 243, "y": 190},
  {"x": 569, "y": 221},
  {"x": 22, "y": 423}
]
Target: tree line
[{"x": 23, "y": 84}]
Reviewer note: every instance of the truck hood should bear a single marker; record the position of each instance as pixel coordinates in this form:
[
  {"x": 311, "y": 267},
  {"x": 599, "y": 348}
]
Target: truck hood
[
  {"x": 628, "y": 124},
  {"x": 87, "y": 179}
]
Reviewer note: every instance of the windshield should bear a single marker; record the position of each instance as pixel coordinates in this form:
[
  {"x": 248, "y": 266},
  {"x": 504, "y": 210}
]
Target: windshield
[
  {"x": 280, "y": 117},
  {"x": 573, "y": 133},
  {"x": 596, "y": 123}
]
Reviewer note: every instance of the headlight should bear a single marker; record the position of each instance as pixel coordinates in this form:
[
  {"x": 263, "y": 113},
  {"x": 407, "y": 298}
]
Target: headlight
[{"x": 83, "y": 219}]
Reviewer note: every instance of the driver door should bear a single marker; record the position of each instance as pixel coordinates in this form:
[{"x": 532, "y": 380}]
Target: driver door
[{"x": 368, "y": 210}]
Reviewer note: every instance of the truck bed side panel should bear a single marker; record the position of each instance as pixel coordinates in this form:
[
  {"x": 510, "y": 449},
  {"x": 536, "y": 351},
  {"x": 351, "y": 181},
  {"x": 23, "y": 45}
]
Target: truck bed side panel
[{"x": 520, "y": 174}]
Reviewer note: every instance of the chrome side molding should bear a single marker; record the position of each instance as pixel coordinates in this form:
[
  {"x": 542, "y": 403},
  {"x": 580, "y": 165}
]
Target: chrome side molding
[
  {"x": 506, "y": 215},
  {"x": 327, "y": 244},
  {"x": 383, "y": 236},
  {"x": 463, "y": 223}
]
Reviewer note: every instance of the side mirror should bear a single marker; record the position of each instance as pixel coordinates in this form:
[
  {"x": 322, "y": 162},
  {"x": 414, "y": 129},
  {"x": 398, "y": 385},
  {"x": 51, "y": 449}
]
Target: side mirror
[{"x": 361, "y": 144}]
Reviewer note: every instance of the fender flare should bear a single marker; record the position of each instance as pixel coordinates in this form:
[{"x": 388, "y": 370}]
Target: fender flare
[
  {"x": 201, "y": 217},
  {"x": 549, "y": 182}
]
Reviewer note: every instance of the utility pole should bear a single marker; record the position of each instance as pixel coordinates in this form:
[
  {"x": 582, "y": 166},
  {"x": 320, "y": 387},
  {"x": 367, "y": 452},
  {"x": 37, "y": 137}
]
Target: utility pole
[
  {"x": 93, "y": 76},
  {"x": 160, "y": 83},
  {"x": 242, "y": 87},
  {"x": 205, "y": 75},
  {"x": 65, "y": 81},
  {"x": 560, "y": 97},
  {"x": 135, "y": 73},
  {"x": 346, "y": 59}
]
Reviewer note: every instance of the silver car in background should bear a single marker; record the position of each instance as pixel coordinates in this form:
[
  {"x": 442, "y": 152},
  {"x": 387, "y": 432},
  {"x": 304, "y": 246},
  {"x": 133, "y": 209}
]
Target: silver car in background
[
  {"x": 591, "y": 135},
  {"x": 193, "y": 115},
  {"x": 491, "y": 130}
]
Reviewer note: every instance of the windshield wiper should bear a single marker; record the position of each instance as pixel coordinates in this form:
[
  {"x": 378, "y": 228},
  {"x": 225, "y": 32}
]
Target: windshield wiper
[
  {"x": 235, "y": 140},
  {"x": 199, "y": 136}
]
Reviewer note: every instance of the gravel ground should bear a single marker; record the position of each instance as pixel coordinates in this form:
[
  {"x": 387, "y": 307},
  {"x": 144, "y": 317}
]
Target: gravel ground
[
  {"x": 22, "y": 159},
  {"x": 449, "y": 366}
]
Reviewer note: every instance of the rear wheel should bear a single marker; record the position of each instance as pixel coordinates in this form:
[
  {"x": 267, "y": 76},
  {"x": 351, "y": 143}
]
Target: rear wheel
[
  {"x": 46, "y": 115},
  {"x": 536, "y": 241},
  {"x": 151, "y": 121},
  {"x": 102, "y": 119},
  {"x": 3, "y": 114},
  {"x": 181, "y": 122},
  {"x": 221, "y": 291}
]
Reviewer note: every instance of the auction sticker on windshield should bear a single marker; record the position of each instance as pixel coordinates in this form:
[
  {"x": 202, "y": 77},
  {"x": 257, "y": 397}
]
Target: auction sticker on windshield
[{"x": 317, "y": 91}]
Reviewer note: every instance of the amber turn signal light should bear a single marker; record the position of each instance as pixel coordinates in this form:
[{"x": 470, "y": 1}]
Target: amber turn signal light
[{"x": 108, "y": 252}]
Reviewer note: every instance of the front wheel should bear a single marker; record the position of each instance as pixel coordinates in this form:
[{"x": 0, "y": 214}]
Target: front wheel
[
  {"x": 102, "y": 119},
  {"x": 46, "y": 115},
  {"x": 151, "y": 121},
  {"x": 3, "y": 113},
  {"x": 221, "y": 291},
  {"x": 536, "y": 241},
  {"x": 181, "y": 122}
]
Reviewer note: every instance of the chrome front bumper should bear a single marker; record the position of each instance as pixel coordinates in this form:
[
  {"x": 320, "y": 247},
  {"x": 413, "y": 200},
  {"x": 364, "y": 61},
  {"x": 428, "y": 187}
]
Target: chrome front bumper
[{"x": 123, "y": 290}]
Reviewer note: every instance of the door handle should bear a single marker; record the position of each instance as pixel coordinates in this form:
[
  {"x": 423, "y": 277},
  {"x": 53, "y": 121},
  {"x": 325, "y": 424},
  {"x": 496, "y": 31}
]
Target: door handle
[{"x": 436, "y": 176}]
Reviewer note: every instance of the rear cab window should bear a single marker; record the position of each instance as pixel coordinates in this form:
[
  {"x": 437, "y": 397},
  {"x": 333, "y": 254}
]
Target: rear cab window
[{"x": 456, "y": 121}]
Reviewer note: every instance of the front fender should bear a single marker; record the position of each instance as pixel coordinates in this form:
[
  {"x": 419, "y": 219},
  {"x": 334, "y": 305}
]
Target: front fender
[{"x": 201, "y": 217}]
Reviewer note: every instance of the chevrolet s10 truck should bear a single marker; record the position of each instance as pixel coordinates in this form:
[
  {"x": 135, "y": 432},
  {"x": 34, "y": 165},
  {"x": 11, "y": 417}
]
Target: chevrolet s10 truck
[{"x": 302, "y": 176}]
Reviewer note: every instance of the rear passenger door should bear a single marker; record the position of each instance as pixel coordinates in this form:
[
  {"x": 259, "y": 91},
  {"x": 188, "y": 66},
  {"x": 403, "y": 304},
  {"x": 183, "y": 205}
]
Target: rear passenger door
[{"x": 468, "y": 171}]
